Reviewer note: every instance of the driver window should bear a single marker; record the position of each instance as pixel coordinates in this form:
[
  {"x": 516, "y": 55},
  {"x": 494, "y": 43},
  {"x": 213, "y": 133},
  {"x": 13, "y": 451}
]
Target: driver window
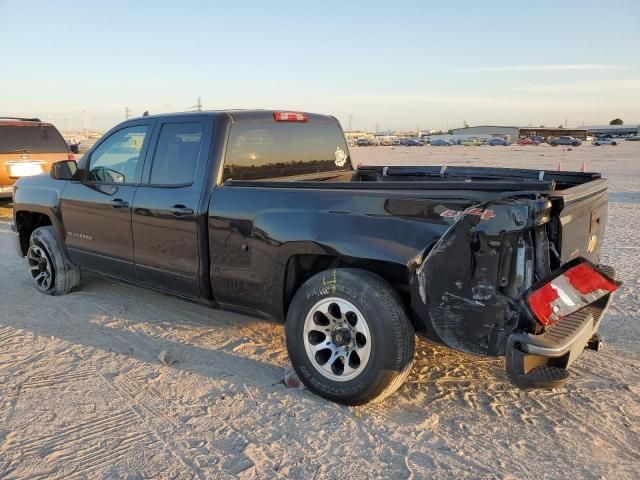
[{"x": 116, "y": 159}]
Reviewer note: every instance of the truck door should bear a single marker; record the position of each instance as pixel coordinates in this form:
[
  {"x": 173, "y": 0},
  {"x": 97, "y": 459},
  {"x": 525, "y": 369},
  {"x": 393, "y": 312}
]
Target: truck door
[
  {"x": 96, "y": 212},
  {"x": 167, "y": 216}
]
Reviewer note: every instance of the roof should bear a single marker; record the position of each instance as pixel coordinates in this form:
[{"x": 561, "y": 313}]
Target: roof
[
  {"x": 485, "y": 126},
  {"x": 246, "y": 116},
  {"x": 631, "y": 126},
  {"x": 22, "y": 121},
  {"x": 566, "y": 129}
]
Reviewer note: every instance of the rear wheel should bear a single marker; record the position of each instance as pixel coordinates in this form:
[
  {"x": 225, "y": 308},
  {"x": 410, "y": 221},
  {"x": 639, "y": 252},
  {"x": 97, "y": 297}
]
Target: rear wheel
[
  {"x": 554, "y": 144},
  {"x": 575, "y": 144},
  {"x": 348, "y": 336},
  {"x": 51, "y": 272}
]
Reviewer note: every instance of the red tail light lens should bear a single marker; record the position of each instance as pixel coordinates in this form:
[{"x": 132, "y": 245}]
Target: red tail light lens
[
  {"x": 575, "y": 288},
  {"x": 290, "y": 117},
  {"x": 70, "y": 156}
]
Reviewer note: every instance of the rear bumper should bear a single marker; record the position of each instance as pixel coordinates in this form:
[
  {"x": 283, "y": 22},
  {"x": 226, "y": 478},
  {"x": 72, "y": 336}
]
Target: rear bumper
[
  {"x": 6, "y": 191},
  {"x": 555, "y": 349}
]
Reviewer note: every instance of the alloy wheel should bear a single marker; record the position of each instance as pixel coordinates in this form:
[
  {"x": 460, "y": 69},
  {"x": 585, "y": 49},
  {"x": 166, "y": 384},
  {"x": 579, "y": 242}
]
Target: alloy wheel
[{"x": 337, "y": 339}]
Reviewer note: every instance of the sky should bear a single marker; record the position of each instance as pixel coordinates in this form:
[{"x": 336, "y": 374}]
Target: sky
[{"x": 397, "y": 65}]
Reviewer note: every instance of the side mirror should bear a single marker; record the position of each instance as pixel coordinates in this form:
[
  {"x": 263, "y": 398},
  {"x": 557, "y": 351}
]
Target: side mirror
[{"x": 64, "y": 169}]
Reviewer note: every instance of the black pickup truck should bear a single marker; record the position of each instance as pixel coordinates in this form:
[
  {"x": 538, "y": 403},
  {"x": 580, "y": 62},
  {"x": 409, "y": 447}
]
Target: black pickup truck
[{"x": 262, "y": 212}]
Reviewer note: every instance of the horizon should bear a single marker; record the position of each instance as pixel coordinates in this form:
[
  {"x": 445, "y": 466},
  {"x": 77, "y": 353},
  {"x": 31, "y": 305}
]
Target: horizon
[{"x": 404, "y": 67}]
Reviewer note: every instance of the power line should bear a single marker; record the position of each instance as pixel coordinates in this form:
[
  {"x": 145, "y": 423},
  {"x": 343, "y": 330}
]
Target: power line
[{"x": 198, "y": 105}]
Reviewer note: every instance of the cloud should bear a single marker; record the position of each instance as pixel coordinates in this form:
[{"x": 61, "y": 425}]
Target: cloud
[
  {"x": 612, "y": 87},
  {"x": 544, "y": 68}
]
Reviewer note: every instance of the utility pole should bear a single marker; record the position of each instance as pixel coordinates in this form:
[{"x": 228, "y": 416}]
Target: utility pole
[
  {"x": 377, "y": 129},
  {"x": 199, "y": 104},
  {"x": 350, "y": 122},
  {"x": 85, "y": 120},
  {"x": 127, "y": 113}
]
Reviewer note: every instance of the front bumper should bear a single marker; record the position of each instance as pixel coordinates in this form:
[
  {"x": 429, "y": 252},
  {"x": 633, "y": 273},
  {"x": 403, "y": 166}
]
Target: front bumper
[{"x": 541, "y": 361}]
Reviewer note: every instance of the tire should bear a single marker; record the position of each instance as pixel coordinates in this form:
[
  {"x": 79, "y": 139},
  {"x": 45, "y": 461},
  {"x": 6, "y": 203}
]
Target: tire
[
  {"x": 52, "y": 273},
  {"x": 614, "y": 143},
  {"x": 575, "y": 144},
  {"x": 597, "y": 144},
  {"x": 370, "y": 324},
  {"x": 554, "y": 144}
]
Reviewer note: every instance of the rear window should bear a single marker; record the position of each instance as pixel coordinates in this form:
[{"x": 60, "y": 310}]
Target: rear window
[
  {"x": 284, "y": 151},
  {"x": 31, "y": 139}
]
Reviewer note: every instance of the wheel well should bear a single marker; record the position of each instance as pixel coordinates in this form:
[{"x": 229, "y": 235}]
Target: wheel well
[
  {"x": 26, "y": 223},
  {"x": 302, "y": 267}
]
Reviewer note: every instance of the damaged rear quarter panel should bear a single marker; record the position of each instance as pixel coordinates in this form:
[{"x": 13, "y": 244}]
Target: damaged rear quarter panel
[{"x": 459, "y": 281}]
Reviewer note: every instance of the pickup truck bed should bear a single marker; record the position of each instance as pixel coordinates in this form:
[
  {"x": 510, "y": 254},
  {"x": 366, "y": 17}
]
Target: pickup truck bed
[{"x": 273, "y": 221}]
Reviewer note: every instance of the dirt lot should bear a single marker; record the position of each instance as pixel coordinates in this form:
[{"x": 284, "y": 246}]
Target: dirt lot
[{"x": 82, "y": 393}]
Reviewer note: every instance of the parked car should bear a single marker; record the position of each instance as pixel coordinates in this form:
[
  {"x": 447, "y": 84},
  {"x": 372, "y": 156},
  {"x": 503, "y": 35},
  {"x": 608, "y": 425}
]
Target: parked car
[
  {"x": 574, "y": 142},
  {"x": 633, "y": 138},
  {"x": 498, "y": 142},
  {"x": 471, "y": 143},
  {"x": 410, "y": 142},
  {"x": 28, "y": 146},
  {"x": 527, "y": 141},
  {"x": 604, "y": 141},
  {"x": 278, "y": 224},
  {"x": 441, "y": 142}
]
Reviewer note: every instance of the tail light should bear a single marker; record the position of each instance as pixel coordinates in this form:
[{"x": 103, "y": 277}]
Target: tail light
[
  {"x": 290, "y": 117},
  {"x": 70, "y": 156},
  {"x": 576, "y": 287}
]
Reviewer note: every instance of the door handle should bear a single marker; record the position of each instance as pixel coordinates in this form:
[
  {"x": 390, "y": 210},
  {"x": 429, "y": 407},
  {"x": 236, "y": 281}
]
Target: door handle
[
  {"x": 119, "y": 203},
  {"x": 181, "y": 211}
]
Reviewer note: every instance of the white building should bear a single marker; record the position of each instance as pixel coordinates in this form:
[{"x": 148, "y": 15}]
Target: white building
[{"x": 488, "y": 131}]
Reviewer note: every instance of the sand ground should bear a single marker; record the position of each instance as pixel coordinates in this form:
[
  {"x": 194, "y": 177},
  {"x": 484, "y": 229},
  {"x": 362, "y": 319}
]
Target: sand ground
[{"x": 83, "y": 395}]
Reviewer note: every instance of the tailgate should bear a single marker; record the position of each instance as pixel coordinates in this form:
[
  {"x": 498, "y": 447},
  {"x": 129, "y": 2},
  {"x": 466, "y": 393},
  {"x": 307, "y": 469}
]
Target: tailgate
[{"x": 579, "y": 218}]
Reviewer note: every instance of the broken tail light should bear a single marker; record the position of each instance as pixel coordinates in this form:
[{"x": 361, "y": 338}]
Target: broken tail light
[
  {"x": 290, "y": 117},
  {"x": 578, "y": 285}
]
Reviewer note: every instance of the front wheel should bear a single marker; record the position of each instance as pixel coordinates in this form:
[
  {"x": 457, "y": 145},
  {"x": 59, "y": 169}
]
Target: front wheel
[
  {"x": 554, "y": 144},
  {"x": 50, "y": 270},
  {"x": 349, "y": 337},
  {"x": 575, "y": 144}
]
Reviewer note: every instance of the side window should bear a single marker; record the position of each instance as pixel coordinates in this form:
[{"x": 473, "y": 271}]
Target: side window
[
  {"x": 176, "y": 156},
  {"x": 116, "y": 159}
]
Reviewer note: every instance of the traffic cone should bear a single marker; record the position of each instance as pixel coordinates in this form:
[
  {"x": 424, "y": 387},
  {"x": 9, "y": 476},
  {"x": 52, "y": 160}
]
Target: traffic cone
[
  {"x": 559, "y": 166},
  {"x": 583, "y": 167}
]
